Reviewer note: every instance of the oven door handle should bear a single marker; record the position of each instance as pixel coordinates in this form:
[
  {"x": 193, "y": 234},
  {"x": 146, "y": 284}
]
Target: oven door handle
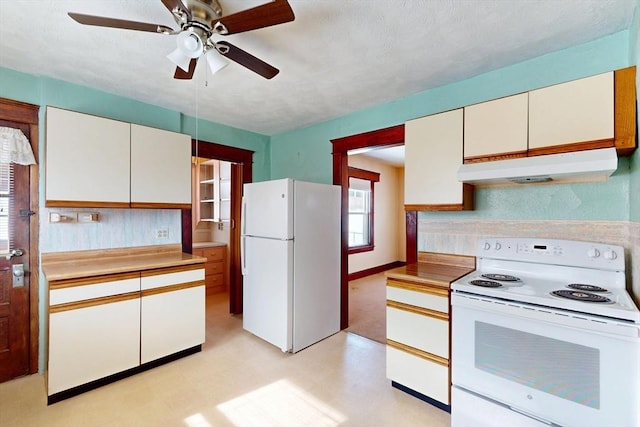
[{"x": 578, "y": 321}]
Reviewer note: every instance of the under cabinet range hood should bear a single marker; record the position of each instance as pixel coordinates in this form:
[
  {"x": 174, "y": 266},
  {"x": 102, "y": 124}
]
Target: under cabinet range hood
[{"x": 579, "y": 166}]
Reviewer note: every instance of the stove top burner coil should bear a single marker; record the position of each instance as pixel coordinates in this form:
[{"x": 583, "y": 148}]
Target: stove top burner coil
[
  {"x": 485, "y": 283},
  {"x": 587, "y": 288},
  {"x": 501, "y": 277},
  {"x": 581, "y": 296}
]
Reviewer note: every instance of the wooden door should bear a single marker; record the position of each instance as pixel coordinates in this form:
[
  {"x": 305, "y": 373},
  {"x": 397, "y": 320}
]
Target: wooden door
[
  {"x": 234, "y": 260},
  {"x": 14, "y": 300}
]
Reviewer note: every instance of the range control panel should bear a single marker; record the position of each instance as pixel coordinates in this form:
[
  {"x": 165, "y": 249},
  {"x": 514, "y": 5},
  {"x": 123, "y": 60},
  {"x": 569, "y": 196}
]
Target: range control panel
[{"x": 553, "y": 251}]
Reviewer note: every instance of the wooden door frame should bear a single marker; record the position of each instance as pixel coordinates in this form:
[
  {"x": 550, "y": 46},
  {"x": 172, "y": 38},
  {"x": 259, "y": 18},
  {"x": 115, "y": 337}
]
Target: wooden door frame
[
  {"x": 386, "y": 137},
  {"x": 21, "y": 112},
  {"x": 242, "y": 157}
]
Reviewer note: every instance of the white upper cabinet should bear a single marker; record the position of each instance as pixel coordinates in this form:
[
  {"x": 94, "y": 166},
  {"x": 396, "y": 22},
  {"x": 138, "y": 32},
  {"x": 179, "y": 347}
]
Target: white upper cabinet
[
  {"x": 96, "y": 162},
  {"x": 568, "y": 113},
  {"x": 160, "y": 166},
  {"x": 496, "y": 128},
  {"x": 87, "y": 160},
  {"x": 433, "y": 154}
]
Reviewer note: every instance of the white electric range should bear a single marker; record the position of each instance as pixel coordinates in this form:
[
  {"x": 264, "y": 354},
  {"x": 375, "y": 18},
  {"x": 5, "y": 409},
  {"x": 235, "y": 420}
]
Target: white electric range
[{"x": 543, "y": 333}]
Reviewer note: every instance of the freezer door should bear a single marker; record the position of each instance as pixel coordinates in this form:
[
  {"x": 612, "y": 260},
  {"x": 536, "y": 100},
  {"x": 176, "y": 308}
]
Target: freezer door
[
  {"x": 267, "y": 290},
  {"x": 316, "y": 290},
  {"x": 267, "y": 209}
]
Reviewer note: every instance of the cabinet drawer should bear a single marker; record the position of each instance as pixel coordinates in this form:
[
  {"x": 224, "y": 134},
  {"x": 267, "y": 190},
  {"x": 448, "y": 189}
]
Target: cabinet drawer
[
  {"x": 171, "y": 276},
  {"x": 214, "y": 268},
  {"x": 68, "y": 291},
  {"x": 427, "y": 299},
  {"x": 216, "y": 279},
  {"x": 421, "y": 375},
  {"x": 213, "y": 254},
  {"x": 419, "y": 331}
]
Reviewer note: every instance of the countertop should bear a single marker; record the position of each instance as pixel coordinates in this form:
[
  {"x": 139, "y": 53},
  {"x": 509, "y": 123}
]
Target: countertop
[
  {"x": 434, "y": 269},
  {"x": 77, "y": 264},
  {"x": 207, "y": 244}
]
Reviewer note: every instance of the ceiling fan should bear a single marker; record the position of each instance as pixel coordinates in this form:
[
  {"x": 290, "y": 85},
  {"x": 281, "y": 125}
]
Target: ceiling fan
[{"x": 199, "y": 21}]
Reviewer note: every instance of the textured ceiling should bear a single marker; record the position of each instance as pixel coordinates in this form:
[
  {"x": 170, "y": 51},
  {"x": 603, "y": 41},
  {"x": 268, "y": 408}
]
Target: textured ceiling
[{"x": 337, "y": 57}]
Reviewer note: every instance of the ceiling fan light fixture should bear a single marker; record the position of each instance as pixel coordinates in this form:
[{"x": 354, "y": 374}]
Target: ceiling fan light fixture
[
  {"x": 179, "y": 59},
  {"x": 189, "y": 44},
  {"x": 216, "y": 61}
]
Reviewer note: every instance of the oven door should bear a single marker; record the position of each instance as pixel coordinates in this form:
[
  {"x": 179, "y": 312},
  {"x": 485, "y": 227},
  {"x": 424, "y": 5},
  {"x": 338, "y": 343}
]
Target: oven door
[{"x": 566, "y": 369}]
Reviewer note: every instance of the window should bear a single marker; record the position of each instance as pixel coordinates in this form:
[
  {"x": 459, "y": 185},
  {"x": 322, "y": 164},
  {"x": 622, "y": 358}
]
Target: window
[
  {"x": 361, "y": 209},
  {"x": 6, "y": 181}
]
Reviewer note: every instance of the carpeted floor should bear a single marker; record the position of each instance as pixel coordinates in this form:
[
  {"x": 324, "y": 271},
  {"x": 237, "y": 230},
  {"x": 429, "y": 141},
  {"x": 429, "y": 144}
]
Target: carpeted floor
[{"x": 367, "y": 307}]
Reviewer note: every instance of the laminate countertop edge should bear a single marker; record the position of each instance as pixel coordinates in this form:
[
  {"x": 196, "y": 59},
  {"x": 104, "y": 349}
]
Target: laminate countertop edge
[
  {"x": 78, "y": 264},
  {"x": 430, "y": 272}
]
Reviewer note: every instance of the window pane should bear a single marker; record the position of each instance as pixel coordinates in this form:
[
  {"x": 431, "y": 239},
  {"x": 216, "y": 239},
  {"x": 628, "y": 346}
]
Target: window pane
[
  {"x": 5, "y": 185},
  {"x": 359, "y": 218}
]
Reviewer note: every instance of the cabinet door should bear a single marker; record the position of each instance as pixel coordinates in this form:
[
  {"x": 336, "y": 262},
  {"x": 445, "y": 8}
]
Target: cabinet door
[
  {"x": 570, "y": 113},
  {"x": 160, "y": 168},
  {"x": 87, "y": 161},
  {"x": 419, "y": 373},
  {"x": 94, "y": 330},
  {"x": 496, "y": 129},
  {"x": 172, "y": 311},
  {"x": 433, "y": 154}
]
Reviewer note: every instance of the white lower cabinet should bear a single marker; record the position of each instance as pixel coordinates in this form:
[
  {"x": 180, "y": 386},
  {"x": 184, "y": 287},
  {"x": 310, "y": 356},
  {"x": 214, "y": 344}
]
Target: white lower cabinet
[
  {"x": 105, "y": 325},
  {"x": 424, "y": 376},
  {"x": 90, "y": 343},
  {"x": 173, "y": 312},
  {"x": 418, "y": 338},
  {"x": 94, "y": 330}
]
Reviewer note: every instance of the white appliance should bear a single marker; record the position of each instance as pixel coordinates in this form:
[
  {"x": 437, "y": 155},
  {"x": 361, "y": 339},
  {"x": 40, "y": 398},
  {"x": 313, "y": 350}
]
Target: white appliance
[
  {"x": 596, "y": 164},
  {"x": 290, "y": 250},
  {"x": 544, "y": 333}
]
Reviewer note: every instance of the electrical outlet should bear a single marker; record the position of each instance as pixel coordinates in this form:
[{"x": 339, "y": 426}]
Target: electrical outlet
[
  {"x": 162, "y": 233},
  {"x": 62, "y": 217}
]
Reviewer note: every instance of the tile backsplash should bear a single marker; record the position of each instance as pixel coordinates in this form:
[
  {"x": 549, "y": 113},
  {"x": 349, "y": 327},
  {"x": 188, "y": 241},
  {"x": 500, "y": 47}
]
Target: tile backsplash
[{"x": 116, "y": 228}]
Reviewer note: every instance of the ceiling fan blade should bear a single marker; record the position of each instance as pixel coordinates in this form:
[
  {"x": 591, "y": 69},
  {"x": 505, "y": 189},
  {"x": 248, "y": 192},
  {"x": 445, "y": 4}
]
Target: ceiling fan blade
[
  {"x": 180, "y": 74},
  {"x": 102, "y": 21},
  {"x": 276, "y": 12},
  {"x": 177, "y": 5},
  {"x": 247, "y": 60}
]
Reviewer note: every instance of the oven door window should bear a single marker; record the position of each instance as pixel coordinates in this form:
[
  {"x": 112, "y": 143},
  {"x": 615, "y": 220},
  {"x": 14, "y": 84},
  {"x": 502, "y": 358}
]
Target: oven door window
[
  {"x": 564, "y": 369},
  {"x": 547, "y": 365}
]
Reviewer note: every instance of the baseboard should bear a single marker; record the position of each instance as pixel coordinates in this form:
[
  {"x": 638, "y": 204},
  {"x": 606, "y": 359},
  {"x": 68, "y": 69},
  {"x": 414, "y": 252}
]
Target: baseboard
[
  {"x": 422, "y": 397},
  {"x": 65, "y": 394},
  {"x": 375, "y": 270}
]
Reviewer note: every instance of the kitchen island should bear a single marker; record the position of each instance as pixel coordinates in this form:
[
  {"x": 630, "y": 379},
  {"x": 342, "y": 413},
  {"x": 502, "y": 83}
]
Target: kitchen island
[
  {"x": 418, "y": 325},
  {"x": 115, "y": 312}
]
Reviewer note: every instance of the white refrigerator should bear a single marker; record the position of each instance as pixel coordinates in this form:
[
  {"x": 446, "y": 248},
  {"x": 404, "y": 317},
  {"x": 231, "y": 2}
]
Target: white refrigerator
[{"x": 290, "y": 250}]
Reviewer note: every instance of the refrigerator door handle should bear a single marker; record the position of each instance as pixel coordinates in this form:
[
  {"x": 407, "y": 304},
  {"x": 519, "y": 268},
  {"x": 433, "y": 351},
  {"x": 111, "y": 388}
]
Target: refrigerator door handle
[
  {"x": 243, "y": 216},
  {"x": 243, "y": 257}
]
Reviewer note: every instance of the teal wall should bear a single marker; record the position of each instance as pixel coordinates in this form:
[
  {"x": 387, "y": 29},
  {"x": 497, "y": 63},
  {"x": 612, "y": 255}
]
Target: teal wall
[
  {"x": 46, "y": 91},
  {"x": 306, "y": 153},
  {"x": 133, "y": 225}
]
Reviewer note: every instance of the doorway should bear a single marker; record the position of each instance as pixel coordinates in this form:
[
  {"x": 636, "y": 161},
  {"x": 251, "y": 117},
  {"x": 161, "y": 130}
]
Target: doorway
[
  {"x": 19, "y": 302},
  {"x": 241, "y": 172},
  {"x": 341, "y": 146}
]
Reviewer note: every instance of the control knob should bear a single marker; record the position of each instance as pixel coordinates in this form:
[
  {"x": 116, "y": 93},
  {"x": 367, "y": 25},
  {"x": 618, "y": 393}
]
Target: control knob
[
  {"x": 593, "y": 253},
  {"x": 610, "y": 255}
]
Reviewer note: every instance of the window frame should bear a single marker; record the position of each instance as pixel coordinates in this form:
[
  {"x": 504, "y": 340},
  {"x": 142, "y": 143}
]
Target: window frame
[{"x": 372, "y": 177}]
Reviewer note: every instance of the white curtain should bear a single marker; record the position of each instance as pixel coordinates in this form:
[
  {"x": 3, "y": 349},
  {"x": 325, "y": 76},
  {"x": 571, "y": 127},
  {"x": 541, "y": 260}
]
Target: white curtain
[{"x": 15, "y": 147}]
